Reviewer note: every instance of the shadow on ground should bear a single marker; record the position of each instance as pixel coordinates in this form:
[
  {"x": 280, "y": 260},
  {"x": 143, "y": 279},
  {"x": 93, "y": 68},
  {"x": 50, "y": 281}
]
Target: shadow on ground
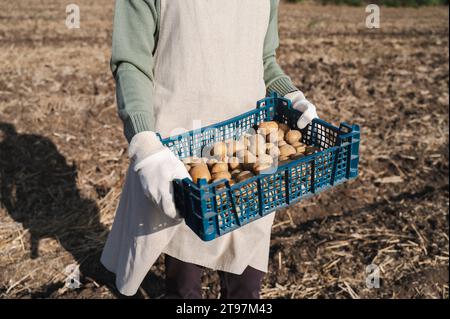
[{"x": 38, "y": 189}]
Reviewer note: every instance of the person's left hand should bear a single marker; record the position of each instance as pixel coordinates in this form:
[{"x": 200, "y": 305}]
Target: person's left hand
[{"x": 300, "y": 103}]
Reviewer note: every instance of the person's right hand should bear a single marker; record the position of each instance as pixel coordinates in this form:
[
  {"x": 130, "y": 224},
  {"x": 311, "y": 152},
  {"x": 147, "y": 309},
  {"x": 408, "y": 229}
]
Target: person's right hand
[{"x": 157, "y": 167}]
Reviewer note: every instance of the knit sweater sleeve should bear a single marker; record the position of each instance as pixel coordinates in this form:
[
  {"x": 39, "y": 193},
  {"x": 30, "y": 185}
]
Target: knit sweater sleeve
[
  {"x": 276, "y": 80},
  {"x": 135, "y": 33}
]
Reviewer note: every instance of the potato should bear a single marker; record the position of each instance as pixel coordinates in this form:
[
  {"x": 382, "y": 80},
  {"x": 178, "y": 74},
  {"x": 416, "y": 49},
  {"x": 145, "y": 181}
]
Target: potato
[
  {"x": 221, "y": 175},
  {"x": 235, "y": 173},
  {"x": 293, "y": 136},
  {"x": 219, "y": 150},
  {"x": 266, "y": 128},
  {"x": 263, "y": 162},
  {"x": 297, "y": 144},
  {"x": 258, "y": 168},
  {"x": 257, "y": 144},
  {"x": 287, "y": 150},
  {"x": 200, "y": 172},
  {"x": 246, "y": 157},
  {"x": 264, "y": 159},
  {"x": 300, "y": 149},
  {"x": 271, "y": 125},
  {"x": 280, "y": 135},
  {"x": 257, "y": 139},
  {"x": 211, "y": 162},
  {"x": 272, "y": 150},
  {"x": 223, "y": 196},
  {"x": 275, "y": 136},
  {"x": 219, "y": 167},
  {"x": 194, "y": 161},
  {"x": 233, "y": 163}
]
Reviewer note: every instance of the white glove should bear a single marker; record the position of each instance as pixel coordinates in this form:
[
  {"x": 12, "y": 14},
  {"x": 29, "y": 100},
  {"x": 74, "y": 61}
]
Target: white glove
[
  {"x": 157, "y": 167},
  {"x": 300, "y": 103}
]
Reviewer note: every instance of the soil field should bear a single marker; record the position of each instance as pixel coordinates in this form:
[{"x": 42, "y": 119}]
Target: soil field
[{"x": 63, "y": 155}]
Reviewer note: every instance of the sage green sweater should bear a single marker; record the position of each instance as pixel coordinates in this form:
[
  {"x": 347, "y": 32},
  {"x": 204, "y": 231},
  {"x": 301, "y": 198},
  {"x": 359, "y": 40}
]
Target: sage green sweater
[{"x": 135, "y": 39}]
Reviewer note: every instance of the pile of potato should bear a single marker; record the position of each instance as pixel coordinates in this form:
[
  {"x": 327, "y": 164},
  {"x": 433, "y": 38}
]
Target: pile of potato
[{"x": 238, "y": 160}]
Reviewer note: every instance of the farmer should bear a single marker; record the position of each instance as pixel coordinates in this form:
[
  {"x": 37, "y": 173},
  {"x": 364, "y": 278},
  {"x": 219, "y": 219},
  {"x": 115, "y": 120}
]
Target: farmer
[{"x": 178, "y": 63}]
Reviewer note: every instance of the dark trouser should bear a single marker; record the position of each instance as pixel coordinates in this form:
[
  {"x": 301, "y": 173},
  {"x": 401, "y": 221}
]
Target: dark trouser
[{"x": 183, "y": 280}]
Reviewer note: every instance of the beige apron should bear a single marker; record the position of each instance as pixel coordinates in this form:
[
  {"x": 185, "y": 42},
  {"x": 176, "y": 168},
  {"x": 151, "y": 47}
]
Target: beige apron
[{"x": 208, "y": 68}]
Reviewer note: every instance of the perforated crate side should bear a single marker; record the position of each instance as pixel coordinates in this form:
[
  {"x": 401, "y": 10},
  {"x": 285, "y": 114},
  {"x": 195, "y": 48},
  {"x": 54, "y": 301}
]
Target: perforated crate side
[{"x": 212, "y": 211}]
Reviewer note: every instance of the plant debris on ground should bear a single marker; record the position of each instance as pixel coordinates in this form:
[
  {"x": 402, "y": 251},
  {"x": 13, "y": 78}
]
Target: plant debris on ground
[{"x": 63, "y": 155}]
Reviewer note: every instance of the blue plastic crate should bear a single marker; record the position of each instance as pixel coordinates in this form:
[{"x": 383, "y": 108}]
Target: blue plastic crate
[{"x": 212, "y": 210}]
